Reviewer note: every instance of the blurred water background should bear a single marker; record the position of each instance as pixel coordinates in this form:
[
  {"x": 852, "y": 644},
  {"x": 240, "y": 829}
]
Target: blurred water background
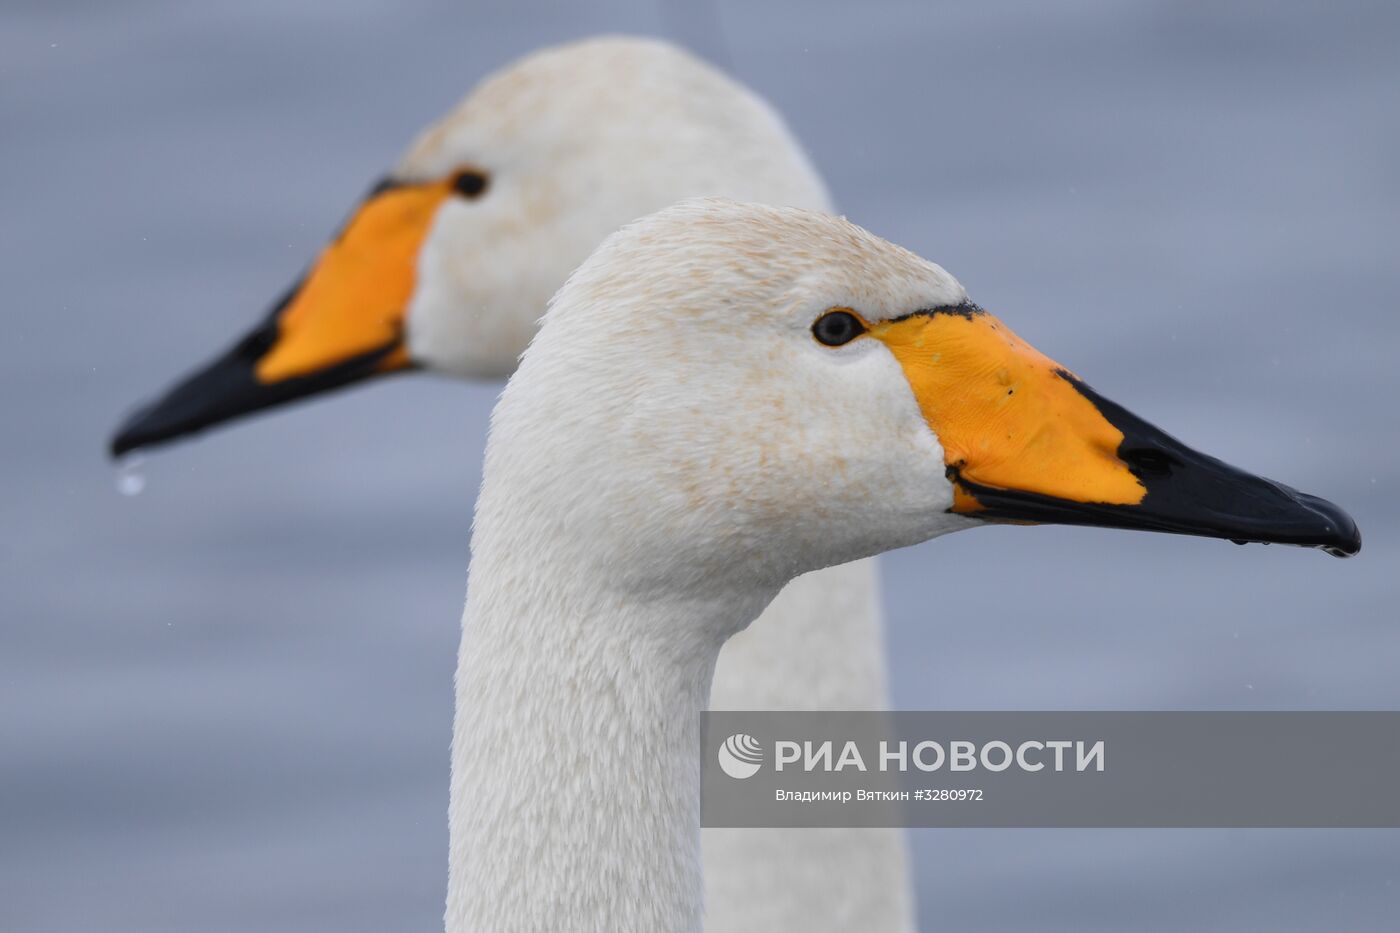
[{"x": 225, "y": 702}]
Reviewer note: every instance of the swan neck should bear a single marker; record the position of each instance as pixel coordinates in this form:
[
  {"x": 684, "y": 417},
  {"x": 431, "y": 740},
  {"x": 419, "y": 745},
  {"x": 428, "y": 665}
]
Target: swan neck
[{"x": 575, "y": 800}]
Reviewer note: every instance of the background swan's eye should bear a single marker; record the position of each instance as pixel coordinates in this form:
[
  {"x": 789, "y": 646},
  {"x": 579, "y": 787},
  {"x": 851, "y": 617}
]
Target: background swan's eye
[
  {"x": 471, "y": 183},
  {"x": 837, "y": 327}
]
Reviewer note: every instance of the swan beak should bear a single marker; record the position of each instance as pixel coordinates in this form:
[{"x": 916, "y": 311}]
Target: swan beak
[
  {"x": 1025, "y": 440},
  {"x": 343, "y": 322}
]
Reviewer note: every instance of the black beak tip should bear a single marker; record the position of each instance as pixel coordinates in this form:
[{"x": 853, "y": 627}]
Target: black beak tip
[
  {"x": 166, "y": 419},
  {"x": 130, "y": 436},
  {"x": 227, "y": 388},
  {"x": 1298, "y": 519},
  {"x": 1338, "y": 534}
]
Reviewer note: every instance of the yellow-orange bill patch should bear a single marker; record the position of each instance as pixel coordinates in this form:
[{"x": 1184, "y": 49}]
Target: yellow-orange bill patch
[
  {"x": 1004, "y": 415},
  {"x": 355, "y": 297}
]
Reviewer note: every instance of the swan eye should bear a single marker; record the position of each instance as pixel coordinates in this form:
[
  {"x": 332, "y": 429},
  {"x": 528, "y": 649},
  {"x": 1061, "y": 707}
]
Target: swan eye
[
  {"x": 837, "y": 327},
  {"x": 471, "y": 183}
]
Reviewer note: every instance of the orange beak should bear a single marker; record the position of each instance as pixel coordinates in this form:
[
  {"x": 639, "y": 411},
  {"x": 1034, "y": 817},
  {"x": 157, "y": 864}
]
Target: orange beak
[
  {"x": 342, "y": 323},
  {"x": 1025, "y": 440}
]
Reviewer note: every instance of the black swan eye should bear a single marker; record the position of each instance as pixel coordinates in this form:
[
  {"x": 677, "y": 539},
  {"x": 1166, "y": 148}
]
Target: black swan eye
[
  {"x": 471, "y": 183},
  {"x": 837, "y": 327}
]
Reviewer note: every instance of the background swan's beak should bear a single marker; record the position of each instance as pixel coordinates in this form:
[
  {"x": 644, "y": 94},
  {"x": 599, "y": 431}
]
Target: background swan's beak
[
  {"x": 341, "y": 323},
  {"x": 1025, "y": 440}
]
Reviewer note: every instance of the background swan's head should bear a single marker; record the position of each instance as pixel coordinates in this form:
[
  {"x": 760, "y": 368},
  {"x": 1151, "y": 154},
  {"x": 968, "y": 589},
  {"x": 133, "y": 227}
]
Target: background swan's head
[
  {"x": 759, "y": 392},
  {"x": 448, "y": 262},
  {"x": 576, "y": 141}
]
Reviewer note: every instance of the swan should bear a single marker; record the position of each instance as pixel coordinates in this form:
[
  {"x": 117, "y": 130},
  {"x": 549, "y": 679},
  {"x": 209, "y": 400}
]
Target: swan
[
  {"x": 447, "y": 265},
  {"x": 722, "y": 397}
]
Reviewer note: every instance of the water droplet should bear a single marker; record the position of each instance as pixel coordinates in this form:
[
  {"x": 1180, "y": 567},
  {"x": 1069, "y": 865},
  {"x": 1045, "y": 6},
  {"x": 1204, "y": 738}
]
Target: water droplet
[{"x": 130, "y": 480}]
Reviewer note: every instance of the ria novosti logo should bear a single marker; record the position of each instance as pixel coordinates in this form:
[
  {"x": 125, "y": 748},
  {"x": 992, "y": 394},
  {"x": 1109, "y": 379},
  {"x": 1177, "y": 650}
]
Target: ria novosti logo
[{"x": 740, "y": 756}]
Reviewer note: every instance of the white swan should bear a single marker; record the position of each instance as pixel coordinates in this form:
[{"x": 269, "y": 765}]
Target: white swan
[
  {"x": 722, "y": 397},
  {"x": 448, "y": 265}
]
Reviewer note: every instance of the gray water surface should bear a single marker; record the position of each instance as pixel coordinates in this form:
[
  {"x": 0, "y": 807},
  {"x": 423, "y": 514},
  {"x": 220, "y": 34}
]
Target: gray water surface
[{"x": 225, "y": 703}]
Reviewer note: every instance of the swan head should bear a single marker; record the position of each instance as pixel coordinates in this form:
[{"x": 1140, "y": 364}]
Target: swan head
[
  {"x": 757, "y": 392},
  {"x": 447, "y": 263}
]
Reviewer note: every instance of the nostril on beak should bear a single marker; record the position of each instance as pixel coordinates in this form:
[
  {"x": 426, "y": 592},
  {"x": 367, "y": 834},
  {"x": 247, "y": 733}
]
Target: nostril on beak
[{"x": 1149, "y": 462}]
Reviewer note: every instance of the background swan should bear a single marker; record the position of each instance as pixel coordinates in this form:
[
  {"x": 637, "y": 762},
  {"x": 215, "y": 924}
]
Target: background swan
[
  {"x": 674, "y": 448},
  {"x": 447, "y": 265}
]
